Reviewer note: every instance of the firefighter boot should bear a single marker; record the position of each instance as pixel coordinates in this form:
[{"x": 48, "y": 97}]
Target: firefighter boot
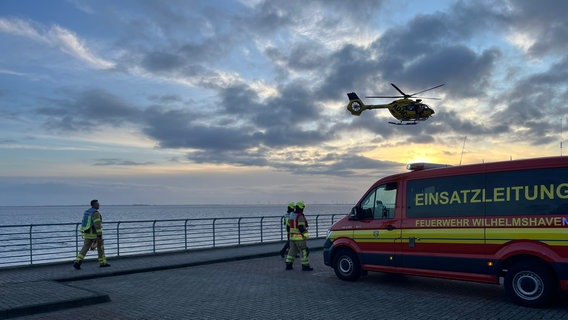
[
  {"x": 289, "y": 266},
  {"x": 307, "y": 268},
  {"x": 77, "y": 265}
]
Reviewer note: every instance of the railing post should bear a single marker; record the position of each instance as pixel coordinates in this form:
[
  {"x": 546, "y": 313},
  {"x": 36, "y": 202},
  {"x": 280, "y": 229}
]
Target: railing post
[
  {"x": 76, "y": 239},
  {"x": 31, "y": 245},
  {"x": 239, "y": 230},
  {"x": 118, "y": 239},
  {"x": 282, "y": 228},
  {"x": 185, "y": 233},
  {"x": 154, "y": 237},
  {"x": 261, "y": 233},
  {"x": 317, "y": 225},
  {"x": 214, "y": 220}
]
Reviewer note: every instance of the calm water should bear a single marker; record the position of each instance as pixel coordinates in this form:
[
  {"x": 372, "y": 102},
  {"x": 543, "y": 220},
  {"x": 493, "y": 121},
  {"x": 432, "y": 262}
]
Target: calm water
[{"x": 74, "y": 214}]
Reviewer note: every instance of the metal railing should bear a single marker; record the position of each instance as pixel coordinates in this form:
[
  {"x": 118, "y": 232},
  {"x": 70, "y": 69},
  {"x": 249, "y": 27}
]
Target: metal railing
[{"x": 47, "y": 243}]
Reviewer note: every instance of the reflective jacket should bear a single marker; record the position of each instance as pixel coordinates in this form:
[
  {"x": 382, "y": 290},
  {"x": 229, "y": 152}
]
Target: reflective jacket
[
  {"x": 286, "y": 221},
  {"x": 298, "y": 226},
  {"x": 92, "y": 225}
]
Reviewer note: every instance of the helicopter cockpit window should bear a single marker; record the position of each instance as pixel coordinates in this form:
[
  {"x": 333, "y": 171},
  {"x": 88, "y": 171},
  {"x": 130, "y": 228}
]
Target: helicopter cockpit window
[{"x": 379, "y": 203}]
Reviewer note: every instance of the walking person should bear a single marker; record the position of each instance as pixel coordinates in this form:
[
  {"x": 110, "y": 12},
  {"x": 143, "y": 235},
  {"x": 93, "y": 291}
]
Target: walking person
[
  {"x": 92, "y": 229},
  {"x": 286, "y": 223},
  {"x": 298, "y": 237}
]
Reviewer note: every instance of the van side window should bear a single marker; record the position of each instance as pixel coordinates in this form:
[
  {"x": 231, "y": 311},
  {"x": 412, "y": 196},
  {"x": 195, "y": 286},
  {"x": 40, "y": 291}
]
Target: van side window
[
  {"x": 523, "y": 192},
  {"x": 446, "y": 197},
  {"x": 380, "y": 203},
  {"x": 539, "y": 191}
]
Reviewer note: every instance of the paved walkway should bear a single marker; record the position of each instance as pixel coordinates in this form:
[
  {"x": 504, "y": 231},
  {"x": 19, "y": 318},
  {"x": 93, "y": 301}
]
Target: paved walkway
[
  {"x": 42, "y": 288},
  {"x": 244, "y": 283}
]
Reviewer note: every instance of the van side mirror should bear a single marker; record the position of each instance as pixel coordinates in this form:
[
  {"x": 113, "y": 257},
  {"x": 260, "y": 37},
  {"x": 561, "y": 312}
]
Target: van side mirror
[
  {"x": 358, "y": 213},
  {"x": 355, "y": 213}
]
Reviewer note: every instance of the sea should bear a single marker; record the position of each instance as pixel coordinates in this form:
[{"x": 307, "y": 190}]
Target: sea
[{"x": 28, "y": 215}]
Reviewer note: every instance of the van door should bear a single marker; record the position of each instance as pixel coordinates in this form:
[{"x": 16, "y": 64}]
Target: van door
[
  {"x": 443, "y": 232},
  {"x": 376, "y": 227}
]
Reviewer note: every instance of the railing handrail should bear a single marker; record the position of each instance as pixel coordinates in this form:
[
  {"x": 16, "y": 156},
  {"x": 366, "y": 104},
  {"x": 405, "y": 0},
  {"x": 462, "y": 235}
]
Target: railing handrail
[{"x": 43, "y": 243}]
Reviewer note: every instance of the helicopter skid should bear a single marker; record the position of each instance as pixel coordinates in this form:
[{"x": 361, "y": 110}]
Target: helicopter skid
[{"x": 403, "y": 123}]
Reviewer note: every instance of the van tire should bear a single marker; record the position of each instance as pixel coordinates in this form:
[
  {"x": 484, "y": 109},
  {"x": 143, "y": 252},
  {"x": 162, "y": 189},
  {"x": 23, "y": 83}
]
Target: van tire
[
  {"x": 346, "y": 265},
  {"x": 530, "y": 284}
]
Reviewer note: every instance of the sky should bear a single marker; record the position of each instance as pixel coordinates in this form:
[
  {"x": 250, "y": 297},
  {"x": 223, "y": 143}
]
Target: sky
[{"x": 244, "y": 102}]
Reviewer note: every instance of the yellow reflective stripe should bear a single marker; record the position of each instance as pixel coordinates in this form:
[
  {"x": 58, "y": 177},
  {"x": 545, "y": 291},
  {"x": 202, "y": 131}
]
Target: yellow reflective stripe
[
  {"x": 550, "y": 236},
  {"x": 341, "y": 234},
  {"x": 296, "y": 236},
  {"x": 445, "y": 235}
]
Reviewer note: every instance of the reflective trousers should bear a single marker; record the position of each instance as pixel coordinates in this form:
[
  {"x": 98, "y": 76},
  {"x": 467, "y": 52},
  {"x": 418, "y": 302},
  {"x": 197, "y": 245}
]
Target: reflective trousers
[
  {"x": 298, "y": 246},
  {"x": 87, "y": 246}
]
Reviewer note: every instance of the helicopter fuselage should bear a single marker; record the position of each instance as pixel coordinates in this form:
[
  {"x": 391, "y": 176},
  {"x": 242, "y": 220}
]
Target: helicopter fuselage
[{"x": 410, "y": 110}]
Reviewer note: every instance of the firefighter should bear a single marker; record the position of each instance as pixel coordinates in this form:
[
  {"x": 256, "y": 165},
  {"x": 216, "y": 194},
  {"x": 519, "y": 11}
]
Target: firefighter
[
  {"x": 286, "y": 223},
  {"x": 92, "y": 229},
  {"x": 298, "y": 237}
]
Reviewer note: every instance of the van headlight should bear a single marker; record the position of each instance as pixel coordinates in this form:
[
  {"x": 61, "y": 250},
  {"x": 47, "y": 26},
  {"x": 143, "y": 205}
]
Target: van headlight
[{"x": 329, "y": 233}]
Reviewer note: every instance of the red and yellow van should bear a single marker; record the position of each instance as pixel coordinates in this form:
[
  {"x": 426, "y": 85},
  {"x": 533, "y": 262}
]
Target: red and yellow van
[{"x": 480, "y": 222}]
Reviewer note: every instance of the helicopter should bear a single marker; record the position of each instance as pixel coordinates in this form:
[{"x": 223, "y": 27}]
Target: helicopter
[{"x": 406, "y": 110}]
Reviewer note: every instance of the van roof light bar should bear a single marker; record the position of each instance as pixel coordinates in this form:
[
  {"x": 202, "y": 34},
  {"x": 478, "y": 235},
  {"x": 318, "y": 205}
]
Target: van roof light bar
[{"x": 424, "y": 166}]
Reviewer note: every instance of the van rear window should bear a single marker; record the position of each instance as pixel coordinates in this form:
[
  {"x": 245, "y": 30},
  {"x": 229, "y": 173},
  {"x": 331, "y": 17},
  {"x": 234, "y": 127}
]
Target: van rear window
[{"x": 541, "y": 192}]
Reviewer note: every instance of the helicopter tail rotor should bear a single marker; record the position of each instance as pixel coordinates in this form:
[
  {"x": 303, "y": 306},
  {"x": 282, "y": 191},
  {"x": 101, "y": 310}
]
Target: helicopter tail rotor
[{"x": 356, "y": 105}]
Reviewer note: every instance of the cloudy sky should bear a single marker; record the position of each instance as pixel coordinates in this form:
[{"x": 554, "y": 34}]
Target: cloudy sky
[{"x": 243, "y": 102}]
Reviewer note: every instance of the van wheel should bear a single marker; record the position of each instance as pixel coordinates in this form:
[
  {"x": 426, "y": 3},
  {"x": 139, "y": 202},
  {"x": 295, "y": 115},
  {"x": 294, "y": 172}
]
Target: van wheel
[
  {"x": 346, "y": 265},
  {"x": 529, "y": 284}
]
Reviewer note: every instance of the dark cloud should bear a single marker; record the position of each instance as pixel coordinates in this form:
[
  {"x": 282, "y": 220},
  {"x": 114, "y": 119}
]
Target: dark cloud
[
  {"x": 465, "y": 73},
  {"x": 451, "y": 121},
  {"x": 348, "y": 69},
  {"x": 187, "y": 58},
  {"x": 535, "y": 105},
  {"x": 162, "y": 62},
  {"x": 546, "y": 23},
  {"x": 303, "y": 56},
  {"x": 181, "y": 129},
  {"x": 342, "y": 165},
  {"x": 232, "y": 157},
  {"x": 119, "y": 162},
  {"x": 428, "y": 51},
  {"x": 166, "y": 99},
  {"x": 86, "y": 110},
  {"x": 326, "y": 14},
  {"x": 241, "y": 124}
]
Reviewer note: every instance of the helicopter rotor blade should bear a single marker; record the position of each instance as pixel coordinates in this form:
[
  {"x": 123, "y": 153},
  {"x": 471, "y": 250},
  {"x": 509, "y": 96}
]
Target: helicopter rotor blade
[
  {"x": 406, "y": 96},
  {"x": 392, "y": 97},
  {"x": 397, "y": 89},
  {"x": 427, "y": 98},
  {"x": 425, "y": 90}
]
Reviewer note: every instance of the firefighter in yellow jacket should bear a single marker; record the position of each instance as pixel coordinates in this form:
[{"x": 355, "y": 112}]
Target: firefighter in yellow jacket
[
  {"x": 298, "y": 237},
  {"x": 92, "y": 229},
  {"x": 286, "y": 223}
]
